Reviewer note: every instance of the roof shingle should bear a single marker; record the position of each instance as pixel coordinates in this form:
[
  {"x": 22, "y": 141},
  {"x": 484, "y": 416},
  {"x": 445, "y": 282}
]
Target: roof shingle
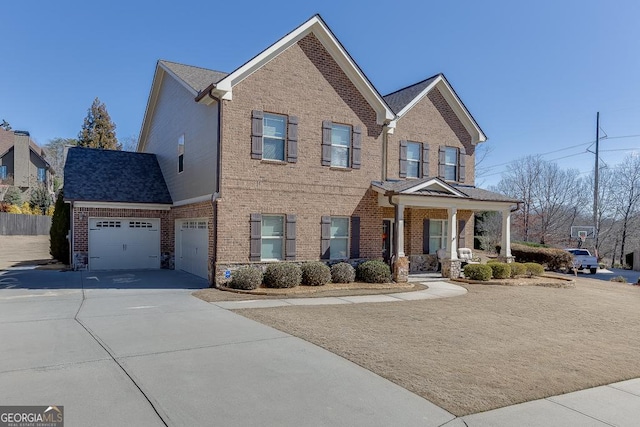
[
  {"x": 114, "y": 176},
  {"x": 196, "y": 77},
  {"x": 399, "y": 99}
]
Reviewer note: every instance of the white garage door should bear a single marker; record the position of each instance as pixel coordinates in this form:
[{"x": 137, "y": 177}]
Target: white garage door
[
  {"x": 124, "y": 243},
  {"x": 192, "y": 246}
]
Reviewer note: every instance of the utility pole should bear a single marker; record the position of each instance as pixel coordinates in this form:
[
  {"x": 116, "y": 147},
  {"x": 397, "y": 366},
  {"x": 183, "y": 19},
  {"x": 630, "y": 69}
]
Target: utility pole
[{"x": 597, "y": 178}]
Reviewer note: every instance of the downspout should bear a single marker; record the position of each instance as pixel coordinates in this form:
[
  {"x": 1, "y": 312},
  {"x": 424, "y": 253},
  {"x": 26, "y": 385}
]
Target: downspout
[
  {"x": 385, "y": 143},
  {"x": 216, "y": 194}
]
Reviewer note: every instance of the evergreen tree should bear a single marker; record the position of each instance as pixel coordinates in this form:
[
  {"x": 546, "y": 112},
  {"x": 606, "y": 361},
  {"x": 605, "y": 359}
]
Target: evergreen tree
[
  {"x": 13, "y": 196},
  {"x": 98, "y": 131},
  {"x": 39, "y": 199},
  {"x": 60, "y": 225}
]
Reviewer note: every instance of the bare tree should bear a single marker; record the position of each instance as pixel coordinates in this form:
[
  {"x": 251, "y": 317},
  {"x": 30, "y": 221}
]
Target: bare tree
[
  {"x": 627, "y": 197},
  {"x": 129, "y": 143},
  {"x": 482, "y": 152}
]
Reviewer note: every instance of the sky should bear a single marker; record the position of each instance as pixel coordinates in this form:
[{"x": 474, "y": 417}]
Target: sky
[{"x": 533, "y": 74}]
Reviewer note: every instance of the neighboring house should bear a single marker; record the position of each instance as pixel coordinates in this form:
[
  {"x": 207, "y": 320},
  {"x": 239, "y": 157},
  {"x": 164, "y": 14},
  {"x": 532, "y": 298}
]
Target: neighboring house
[
  {"x": 22, "y": 162},
  {"x": 294, "y": 156}
]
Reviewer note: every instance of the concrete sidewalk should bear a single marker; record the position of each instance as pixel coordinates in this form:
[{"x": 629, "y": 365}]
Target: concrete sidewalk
[{"x": 438, "y": 289}]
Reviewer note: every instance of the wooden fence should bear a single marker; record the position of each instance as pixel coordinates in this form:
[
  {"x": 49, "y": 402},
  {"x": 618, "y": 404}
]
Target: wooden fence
[{"x": 24, "y": 225}]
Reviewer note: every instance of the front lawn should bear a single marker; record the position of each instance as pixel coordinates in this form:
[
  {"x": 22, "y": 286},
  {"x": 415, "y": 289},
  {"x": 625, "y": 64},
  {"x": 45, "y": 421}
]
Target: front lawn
[{"x": 492, "y": 347}]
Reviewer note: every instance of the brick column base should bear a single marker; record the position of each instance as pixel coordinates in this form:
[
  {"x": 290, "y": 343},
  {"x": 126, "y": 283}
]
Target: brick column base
[
  {"x": 451, "y": 269},
  {"x": 401, "y": 270}
]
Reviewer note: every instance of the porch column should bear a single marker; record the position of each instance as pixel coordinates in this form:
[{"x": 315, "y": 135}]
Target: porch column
[
  {"x": 399, "y": 249},
  {"x": 452, "y": 241},
  {"x": 506, "y": 234}
]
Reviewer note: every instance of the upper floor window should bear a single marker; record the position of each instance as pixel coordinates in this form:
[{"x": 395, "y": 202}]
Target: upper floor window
[
  {"x": 341, "y": 145},
  {"x": 274, "y": 137},
  {"x": 181, "y": 153},
  {"x": 3, "y": 172},
  {"x": 413, "y": 159},
  {"x": 451, "y": 164},
  {"x": 42, "y": 174}
]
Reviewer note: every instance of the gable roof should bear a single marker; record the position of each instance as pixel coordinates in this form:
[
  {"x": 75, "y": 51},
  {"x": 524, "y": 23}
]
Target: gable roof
[
  {"x": 7, "y": 141},
  {"x": 96, "y": 175},
  {"x": 196, "y": 79},
  {"x": 401, "y": 101},
  {"x": 316, "y": 25},
  {"x": 433, "y": 186}
]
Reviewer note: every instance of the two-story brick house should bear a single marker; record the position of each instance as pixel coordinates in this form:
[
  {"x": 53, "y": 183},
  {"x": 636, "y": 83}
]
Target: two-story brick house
[{"x": 296, "y": 156}]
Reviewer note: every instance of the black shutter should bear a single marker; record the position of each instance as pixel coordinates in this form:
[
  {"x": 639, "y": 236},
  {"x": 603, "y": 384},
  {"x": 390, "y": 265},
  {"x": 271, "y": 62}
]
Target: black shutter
[
  {"x": 255, "y": 251},
  {"x": 356, "y": 147},
  {"x": 256, "y": 134},
  {"x": 462, "y": 154},
  {"x": 425, "y": 160},
  {"x": 402, "y": 172},
  {"x": 325, "y": 237},
  {"x": 290, "y": 236},
  {"x": 441, "y": 162},
  {"x": 461, "y": 240},
  {"x": 355, "y": 237},
  {"x": 292, "y": 139},
  {"x": 425, "y": 236},
  {"x": 326, "y": 143}
]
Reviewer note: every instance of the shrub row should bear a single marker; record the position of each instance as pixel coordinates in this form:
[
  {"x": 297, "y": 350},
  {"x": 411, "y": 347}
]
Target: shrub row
[
  {"x": 553, "y": 258},
  {"x": 501, "y": 270},
  {"x": 314, "y": 273}
]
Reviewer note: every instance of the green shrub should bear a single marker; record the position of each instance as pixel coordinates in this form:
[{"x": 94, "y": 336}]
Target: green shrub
[
  {"x": 500, "y": 270},
  {"x": 553, "y": 258},
  {"x": 619, "y": 279},
  {"x": 531, "y": 244},
  {"x": 374, "y": 272},
  {"x": 282, "y": 275},
  {"x": 60, "y": 225},
  {"x": 315, "y": 273},
  {"x": 246, "y": 278},
  {"x": 518, "y": 269},
  {"x": 491, "y": 261},
  {"x": 343, "y": 272},
  {"x": 480, "y": 272},
  {"x": 13, "y": 196},
  {"x": 533, "y": 269}
]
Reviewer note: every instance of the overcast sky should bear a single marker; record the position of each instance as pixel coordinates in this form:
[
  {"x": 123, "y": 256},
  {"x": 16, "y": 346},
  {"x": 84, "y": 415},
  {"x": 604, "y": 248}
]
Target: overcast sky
[{"x": 533, "y": 74}]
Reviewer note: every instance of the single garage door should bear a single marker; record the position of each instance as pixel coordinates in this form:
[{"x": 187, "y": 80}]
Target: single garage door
[
  {"x": 192, "y": 246},
  {"x": 124, "y": 243}
]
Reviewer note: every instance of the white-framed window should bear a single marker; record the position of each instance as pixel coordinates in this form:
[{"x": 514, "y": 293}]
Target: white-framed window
[
  {"x": 181, "y": 153},
  {"x": 340, "y": 145},
  {"x": 437, "y": 234},
  {"x": 414, "y": 151},
  {"x": 274, "y": 133},
  {"x": 3, "y": 172},
  {"x": 339, "y": 245},
  {"x": 451, "y": 164},
  {"x": 272, "y": 238},
  {"x": 42, "y": 174}
]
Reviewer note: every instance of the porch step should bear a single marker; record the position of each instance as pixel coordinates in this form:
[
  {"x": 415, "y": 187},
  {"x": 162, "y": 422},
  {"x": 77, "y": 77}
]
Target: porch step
[{"x": 426, "y": 277}]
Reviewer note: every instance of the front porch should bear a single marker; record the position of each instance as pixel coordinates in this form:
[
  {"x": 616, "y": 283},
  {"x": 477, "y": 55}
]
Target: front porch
[{"x": 430, "y": 219}]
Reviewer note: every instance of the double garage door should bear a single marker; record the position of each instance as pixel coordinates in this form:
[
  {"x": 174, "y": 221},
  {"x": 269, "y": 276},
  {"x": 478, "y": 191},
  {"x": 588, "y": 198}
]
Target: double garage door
[
  {"x": 124, "y": 243},
  {"x": 192, "y": 246}
]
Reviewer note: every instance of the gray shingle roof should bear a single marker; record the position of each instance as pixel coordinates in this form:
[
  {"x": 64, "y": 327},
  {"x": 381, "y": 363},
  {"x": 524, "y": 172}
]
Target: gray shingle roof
[
  {"x": 399, "y": 186},
  {"x": 400, "y": 98},
  {"x": 196, "y": 77},
  {"x": 114, "y": 176}
]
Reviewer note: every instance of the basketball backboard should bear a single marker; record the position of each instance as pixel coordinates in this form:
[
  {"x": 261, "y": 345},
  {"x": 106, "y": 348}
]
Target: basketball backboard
[{"x": 577, "y": 230}]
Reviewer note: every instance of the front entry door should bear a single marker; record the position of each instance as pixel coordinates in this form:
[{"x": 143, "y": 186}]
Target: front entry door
[{"x": 387, "y": 240}]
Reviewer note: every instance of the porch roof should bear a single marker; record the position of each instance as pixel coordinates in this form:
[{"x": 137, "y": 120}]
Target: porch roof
[{"x": 436, "y": 187}]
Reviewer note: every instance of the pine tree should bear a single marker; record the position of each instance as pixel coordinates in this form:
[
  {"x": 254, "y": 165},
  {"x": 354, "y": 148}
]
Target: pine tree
[
  {"x": 98, "y": 131},
  {"x": 60, "y": 225}
]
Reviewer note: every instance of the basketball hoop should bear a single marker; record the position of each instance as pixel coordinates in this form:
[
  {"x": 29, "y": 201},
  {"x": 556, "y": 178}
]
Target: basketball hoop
[{"x": 582, "y": 235}]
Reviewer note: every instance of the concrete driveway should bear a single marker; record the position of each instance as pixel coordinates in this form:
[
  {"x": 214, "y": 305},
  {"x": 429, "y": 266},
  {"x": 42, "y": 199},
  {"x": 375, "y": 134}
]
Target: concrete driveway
[{"x": 135, "y": 348}]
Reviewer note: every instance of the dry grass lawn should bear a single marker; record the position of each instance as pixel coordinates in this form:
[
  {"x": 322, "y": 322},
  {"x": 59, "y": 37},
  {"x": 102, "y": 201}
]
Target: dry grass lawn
[{"x": 492, "y": 347}]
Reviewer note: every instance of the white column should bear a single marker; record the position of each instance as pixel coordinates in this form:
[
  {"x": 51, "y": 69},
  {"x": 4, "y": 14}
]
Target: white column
[
  {"x": 506, "y": 233},
  {"x": 452, "y": 241},
  {"x": 399, "y": 249}
]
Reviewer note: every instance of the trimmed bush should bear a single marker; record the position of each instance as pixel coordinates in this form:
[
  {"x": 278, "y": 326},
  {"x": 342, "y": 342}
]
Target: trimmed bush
[
  {"x": 315, "y": 273},
  {"x": 246, "y": 278},
  {"x": 533, "y": 269},
  {"x": 553, "y": 258},
  {"x": 500, "y": 270},
  {"x": 518, "y": 269},
  {"x": 491, "y": 261},
  {"x": 282, "y": 275},
  {"x": 480, "y": 272},
  {"x": 343, "y": 272},
  {"x": 374, "y": 272},
  {"x": 619, "y": 279}
]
